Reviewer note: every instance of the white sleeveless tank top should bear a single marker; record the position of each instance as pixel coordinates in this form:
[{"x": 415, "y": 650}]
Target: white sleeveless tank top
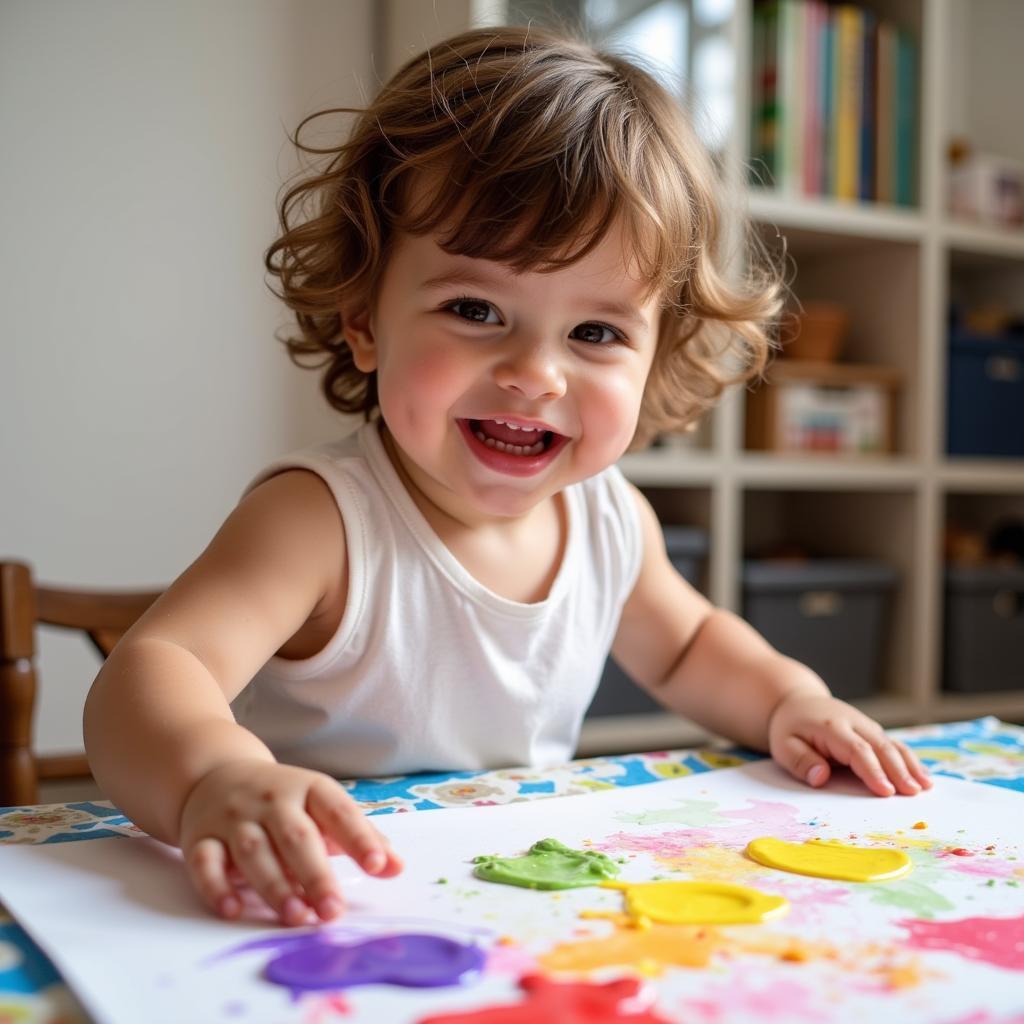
[{"x": 429, "y": 669}]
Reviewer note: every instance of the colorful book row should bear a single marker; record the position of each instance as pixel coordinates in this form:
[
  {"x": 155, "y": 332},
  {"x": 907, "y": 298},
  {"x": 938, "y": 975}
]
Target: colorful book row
[{"x": 834, "y": 102}]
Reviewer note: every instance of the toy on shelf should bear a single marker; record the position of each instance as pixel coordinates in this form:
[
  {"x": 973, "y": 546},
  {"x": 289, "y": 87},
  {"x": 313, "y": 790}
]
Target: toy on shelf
[
  {"x": 842, "y": 408},
  {"x": 985, "y": 187},
  {"x": 815, "y": 333}
]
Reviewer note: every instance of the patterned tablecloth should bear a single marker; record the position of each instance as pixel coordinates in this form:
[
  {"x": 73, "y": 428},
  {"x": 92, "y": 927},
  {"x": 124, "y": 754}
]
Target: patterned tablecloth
[{"x": 986, "y": 751}]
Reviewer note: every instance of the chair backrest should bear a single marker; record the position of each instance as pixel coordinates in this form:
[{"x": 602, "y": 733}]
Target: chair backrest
[{"x": 102, "y": 615}]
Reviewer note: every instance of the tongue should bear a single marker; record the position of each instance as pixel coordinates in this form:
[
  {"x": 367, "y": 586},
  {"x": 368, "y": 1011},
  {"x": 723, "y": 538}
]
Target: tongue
[{"x": 501, "y": 432}]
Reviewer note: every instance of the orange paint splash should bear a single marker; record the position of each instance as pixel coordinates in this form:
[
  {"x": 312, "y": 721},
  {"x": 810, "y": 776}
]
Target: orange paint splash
[
  {"x": 647, "y": 950},
  {"x": 651, "y": 950},
  {"x": 902, "y": 976}
]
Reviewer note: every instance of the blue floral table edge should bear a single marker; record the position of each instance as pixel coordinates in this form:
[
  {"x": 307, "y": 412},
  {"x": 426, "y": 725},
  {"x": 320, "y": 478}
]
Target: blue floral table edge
[{"x": 983, "y": 750}]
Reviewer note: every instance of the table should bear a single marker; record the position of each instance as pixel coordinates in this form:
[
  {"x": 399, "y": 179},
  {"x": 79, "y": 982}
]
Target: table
[{"x": 986, "y": 751}]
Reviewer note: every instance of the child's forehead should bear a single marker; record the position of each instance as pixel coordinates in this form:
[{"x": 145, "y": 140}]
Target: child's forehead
[
  {"x": 612, "y": 262},
  {"x": 609, "y": 263}
]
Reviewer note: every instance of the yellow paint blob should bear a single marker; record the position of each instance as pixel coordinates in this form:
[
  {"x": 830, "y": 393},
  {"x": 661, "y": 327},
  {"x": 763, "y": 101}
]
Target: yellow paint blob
[
  {"x": 830, "y": 859},
  {"x": 698, "y": 902}
]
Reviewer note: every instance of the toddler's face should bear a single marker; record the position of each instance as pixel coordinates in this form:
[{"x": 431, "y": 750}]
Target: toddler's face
[{"x": 500, "y": 389}]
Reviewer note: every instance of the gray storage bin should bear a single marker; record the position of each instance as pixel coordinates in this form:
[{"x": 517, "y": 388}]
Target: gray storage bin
[
  {"x": 829, "y": 614},
  {"x": 984, "y": 628},
  {"x": 617, "y": 694}
]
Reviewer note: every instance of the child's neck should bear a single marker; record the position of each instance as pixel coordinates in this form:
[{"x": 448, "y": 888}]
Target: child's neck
[{"x": 517, "y": 558}]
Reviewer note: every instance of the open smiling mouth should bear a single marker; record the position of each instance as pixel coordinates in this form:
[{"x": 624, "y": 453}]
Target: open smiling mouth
[
  {"x": 504, "y": 437},
  {"x": 509, "y": 448}
]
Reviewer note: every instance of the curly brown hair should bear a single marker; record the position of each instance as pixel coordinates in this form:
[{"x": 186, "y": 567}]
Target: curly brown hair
[{"x": 545, "y": 142}]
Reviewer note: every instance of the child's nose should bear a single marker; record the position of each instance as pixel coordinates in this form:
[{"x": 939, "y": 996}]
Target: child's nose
[{"x": 532, "y": 370}]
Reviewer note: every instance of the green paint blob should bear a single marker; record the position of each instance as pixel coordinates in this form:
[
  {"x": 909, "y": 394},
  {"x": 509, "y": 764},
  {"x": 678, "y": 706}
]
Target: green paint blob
[
  {"x": 918, "y": 895},
  {"x": 919, "y": 899},
  {"x": 694, "y": 813},
  {"x": 548, "y": 865}
]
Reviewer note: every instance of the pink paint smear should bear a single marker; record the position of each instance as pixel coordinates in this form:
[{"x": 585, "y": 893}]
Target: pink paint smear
[
  {"x": 987, "y": 1017},
  {"x": 761, "y": 818},
  {"x": 995, "y": 940},
  {"x": 779, "y": 1000}
]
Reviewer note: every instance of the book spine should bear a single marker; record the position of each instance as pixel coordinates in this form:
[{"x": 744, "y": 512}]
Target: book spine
[
  {"x": 866, "y": 187},
  {"x": 885, "y": 191},
  {"x": 812, "y": 105},
  {"x": 756, "y": 143},
  {"x": 906, "y": 127},
  {"x": 790, "y": 101},
  {"x": 826, "y": 92},
  {"x": 849, "y": 89},
  {"x": 768, "y": 122}
]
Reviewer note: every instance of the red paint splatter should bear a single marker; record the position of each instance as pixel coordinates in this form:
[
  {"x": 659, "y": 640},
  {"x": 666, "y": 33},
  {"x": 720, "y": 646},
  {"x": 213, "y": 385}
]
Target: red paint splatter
[
  {"x": 996, "y": 940},
  {"x": 329, "y": 1008},
  {"x": 615, "y": 1002},
  {"x": 959, "y": 851}
]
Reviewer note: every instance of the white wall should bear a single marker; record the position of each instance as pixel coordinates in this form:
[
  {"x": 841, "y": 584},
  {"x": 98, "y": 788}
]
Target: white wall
[{"x": 142, "y": 144}]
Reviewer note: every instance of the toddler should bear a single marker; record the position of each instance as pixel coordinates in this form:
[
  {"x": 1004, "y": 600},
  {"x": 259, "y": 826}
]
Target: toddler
[{"x": 509, "y": 269}]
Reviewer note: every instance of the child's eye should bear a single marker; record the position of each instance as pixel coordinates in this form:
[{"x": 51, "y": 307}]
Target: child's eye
[
  {"x": 473, "y": 309},
  {"x": 592, "y": 333}
]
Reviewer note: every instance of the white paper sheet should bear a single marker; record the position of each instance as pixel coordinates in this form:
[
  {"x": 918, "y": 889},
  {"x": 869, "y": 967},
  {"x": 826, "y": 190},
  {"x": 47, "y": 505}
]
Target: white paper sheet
[{"x": 119, "y": 919}]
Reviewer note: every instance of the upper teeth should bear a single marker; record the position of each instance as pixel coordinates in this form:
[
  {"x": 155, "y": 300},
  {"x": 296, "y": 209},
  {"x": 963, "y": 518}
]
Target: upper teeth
[{"x": 514, "y": 426}]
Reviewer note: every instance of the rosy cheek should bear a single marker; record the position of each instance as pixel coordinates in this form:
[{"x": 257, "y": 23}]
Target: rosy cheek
[
  {"x": 438, "y": 368},
  {"x": 620, "y": 402},
  {"x": 416, "y": 394}
]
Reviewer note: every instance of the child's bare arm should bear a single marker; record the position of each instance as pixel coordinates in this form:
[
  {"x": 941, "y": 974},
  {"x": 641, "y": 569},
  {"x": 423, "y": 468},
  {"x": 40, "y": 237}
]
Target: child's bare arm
[
  {"x": 159, "y": 731},
  {"x": 711, "y": 666}
]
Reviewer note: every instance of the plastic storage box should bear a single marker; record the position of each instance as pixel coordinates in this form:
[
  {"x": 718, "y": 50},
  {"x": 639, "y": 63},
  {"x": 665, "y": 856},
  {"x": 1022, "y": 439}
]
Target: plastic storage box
[
  {"x": 985, "y": 395},
  {"x": 831, "y": 615},
  {"x": 984, "y": 628},
  {"x": 618, "y": 694}
]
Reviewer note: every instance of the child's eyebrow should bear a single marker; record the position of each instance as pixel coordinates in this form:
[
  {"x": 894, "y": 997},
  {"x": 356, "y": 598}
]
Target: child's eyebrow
[
  {"x": 607, "y": 307},
  {"x": 459, "y": 277}
]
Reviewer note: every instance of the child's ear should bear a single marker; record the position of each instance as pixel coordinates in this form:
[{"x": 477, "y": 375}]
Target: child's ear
[{"x": 357, "y": 331}]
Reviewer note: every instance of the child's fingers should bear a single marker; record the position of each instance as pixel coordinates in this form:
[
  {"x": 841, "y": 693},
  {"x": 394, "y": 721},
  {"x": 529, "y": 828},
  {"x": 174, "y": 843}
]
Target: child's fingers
[
  {"x": 891, "y": 759},
  {"x": 340, "y": 819},
  {"x": 854, "y": 750},
  {"x": 256, "y": 858},
  {"x": 304, "y": 853},
  {"x": 801, "y": 760},
  {"x": 914, "y": 765},
  {"x": 208, "y": 867}
]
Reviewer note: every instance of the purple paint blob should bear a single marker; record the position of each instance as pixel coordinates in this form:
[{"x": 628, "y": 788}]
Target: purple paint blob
[{"x": 408, "y": 959}]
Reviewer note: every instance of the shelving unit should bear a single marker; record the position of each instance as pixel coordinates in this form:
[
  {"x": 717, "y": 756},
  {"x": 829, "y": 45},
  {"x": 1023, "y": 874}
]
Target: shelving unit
[{"x": 897, "y": 269}]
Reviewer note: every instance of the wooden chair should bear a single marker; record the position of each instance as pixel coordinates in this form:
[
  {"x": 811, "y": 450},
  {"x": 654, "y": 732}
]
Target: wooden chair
[{"x": 102, "y": 615}]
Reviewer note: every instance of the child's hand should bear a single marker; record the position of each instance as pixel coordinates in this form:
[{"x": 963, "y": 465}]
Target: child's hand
[
  {"x": 805, "y": 731},
  {"x": 275, "y": 825}
]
